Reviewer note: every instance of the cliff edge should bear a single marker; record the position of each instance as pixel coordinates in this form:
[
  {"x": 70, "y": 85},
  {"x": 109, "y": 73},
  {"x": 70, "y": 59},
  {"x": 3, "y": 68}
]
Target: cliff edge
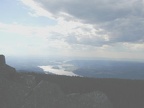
[
  {"x": 2, "y": 60},
  {"x": 4, "y": 68}
]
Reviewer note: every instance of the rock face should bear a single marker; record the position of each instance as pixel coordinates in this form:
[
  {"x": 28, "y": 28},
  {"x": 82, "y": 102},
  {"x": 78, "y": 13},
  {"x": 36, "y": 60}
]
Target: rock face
[
  {"x": 2, "y": 60},
  {"x": 28, "y": 80},
  {"x": 93, "y": 99},
  {"x": 47, "y": 95},
  {"x": 6, "y": 70},
  {"x": 12, "y": 94},
  {"x": 44, "y": 95}
]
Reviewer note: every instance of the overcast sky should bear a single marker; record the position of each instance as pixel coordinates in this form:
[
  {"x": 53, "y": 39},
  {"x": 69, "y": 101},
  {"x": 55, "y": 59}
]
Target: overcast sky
[{"x": 82, "y": 28}]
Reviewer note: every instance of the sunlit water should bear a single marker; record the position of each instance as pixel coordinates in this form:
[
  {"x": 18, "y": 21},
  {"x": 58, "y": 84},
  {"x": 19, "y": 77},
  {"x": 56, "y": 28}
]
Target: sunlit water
[{"x": 59, "y": 71}]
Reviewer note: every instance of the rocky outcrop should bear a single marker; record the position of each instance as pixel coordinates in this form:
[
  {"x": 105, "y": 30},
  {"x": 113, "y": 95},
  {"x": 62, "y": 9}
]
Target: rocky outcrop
[
  {"x": 93, "y": 99},
  {"x": 2, "y": 60},
  {"x": 12, "y": 94},
  {"x": 28, "y": 80},
  {"x": 6, "y": 69},
  {"x": 44, "y": 95},
  {"x": 49, "y": 95}
]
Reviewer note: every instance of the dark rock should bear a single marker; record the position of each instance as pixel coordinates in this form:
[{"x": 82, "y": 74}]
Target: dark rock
[
  {"x": 12, "y": 94},
  {"x": 44, "y": 95},
  {"x": 28, "y": 80},
  {"x": 2, "y": 60},
  {"x": 94, "y": 99},
  {"x": 6, "y": 70},
  {"x": 49, "y": 95}
]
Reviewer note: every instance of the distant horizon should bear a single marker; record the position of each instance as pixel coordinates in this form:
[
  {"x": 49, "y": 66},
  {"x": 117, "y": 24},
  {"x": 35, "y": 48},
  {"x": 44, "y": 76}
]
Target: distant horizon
[
  {"x": 70, "y": 58},
  {"x": 98, "y": 68}
]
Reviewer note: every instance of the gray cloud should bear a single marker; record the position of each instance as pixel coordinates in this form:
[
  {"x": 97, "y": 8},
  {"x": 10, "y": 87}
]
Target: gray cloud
[
  {"x": 127, "y": 30},
  {"x": 93, "y": 40},
  {"x": 89, "y": 11},
  {"x": 122, "y": 19}
]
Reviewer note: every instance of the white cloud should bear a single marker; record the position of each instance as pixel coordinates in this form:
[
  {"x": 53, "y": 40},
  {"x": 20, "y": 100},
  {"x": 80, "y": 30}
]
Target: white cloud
[
  {"x": 69, "y": 27},
  {"x": 121, "y": 21},
  {"x": 36, "y": 10},
  {"x": 134, "y": 47},
  {"x": 91, "y": 28}
]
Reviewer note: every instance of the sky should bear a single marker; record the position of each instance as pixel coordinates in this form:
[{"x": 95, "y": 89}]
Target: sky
[{"x": 72, "y": 28}]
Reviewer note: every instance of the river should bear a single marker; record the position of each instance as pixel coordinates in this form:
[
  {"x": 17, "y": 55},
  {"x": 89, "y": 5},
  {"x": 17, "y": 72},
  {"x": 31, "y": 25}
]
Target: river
[{"x": 58, "y": 70}]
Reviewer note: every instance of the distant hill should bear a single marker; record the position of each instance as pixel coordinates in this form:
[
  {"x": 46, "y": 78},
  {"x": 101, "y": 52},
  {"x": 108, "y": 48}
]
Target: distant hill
[
  {"x": 109, "y": 69},
  {"x": 86, "y": 68}
]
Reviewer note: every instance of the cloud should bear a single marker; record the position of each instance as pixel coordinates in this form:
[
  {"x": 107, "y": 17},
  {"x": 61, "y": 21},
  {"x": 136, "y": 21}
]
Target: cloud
[
  {"x": 89, "y": 11},
  {"x": 36, "y": 9},
  {"x": 120, "y": 21},
  {"x": 127, "y": 30},
  {"x": 51, "y": 40},
  {"x": 89, "y": 28}
]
